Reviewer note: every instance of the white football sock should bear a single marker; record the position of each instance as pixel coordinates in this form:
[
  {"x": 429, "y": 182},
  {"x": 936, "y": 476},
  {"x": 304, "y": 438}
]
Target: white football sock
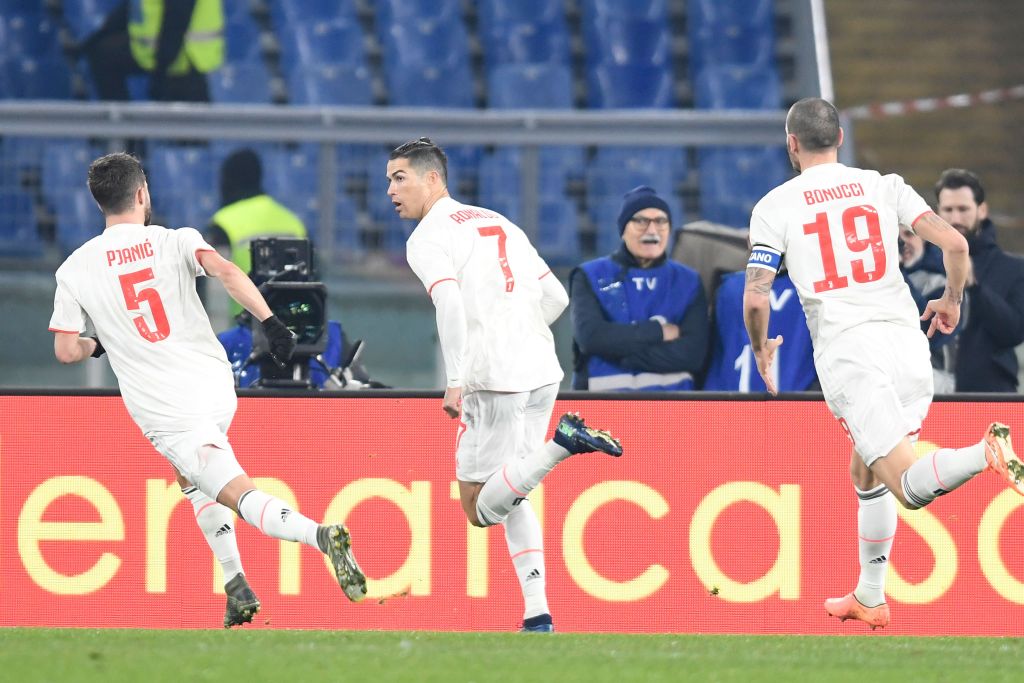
[
  {"x": 218, "y": 526},
  {"x": 514, "y": 481},
  {"x": 273, "y": 517},
  {"x": 526, "y": 548},
  {"x": 940, "y": 472},
  {"x": 876, "y": 528}
]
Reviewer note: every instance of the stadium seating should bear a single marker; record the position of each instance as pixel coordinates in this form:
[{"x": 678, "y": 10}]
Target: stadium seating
[
  {"x": 431, "y": 86},
  {"x": 183, "y": 184},
  {"x": 19, "y": 237},
  {"x": 616, "y": 170},
  {"x": 636, "y": 9},
  {"x": 78, "y": 218},
  {"x": 85, "y": 17},
  {"x": 45, "y": 78},
  {"x": 330, "y": 84},
  {"x": 323, "y": 42},
  {"x": 520, "y": 11},
  {"x": 631, "y": 86},
  {"x": 733, "y": 179},
  {"x": 404, "y": 11},
  {"x": 64, "y": 164},
  {"x": 247, "y": 82},
  {"x": 291, "y": 175},
  {"x": 530, "y": 86},
  {"x": 426, "y": 42},
  {"x": 25, "y": 31},
  {"x": 283, "y": 13},
  {"x": 739, "y": 32},
  {"x": 738, "y": 87},
  {"x": 242, "y": 39},
  {"x": 613, "y": 40},
  {"x": 526, "y": 42}
]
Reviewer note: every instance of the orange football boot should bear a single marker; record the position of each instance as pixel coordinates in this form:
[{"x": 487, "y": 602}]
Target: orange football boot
[{"x": 849, "y": 607}]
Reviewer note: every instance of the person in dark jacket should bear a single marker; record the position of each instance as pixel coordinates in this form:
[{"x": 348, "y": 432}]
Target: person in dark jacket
[
  {"x": 640, "y": 321},
  {"x": 992, "y": 323}
]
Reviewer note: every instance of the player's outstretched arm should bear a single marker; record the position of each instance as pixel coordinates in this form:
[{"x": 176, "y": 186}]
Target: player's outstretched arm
[
  {"x": 944, "y": 312},
  {"x": 70, "y": 348},
  {"x": 756, "y": 312},
  {"x": 237, "y": 283}
]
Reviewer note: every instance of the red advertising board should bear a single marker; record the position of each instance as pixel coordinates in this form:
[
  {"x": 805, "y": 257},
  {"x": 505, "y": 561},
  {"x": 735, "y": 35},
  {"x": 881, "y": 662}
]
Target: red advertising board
[{"x": 721, "y": 517}]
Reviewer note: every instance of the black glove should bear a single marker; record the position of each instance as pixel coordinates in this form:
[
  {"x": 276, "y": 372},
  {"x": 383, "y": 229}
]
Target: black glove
[
  {"x": 280, "y": 340},
  {"x": 99, "y": 350}
]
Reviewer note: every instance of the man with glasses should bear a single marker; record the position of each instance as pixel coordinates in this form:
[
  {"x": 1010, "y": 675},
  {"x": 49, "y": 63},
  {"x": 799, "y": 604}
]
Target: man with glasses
[{"x": 640, "y": 321}]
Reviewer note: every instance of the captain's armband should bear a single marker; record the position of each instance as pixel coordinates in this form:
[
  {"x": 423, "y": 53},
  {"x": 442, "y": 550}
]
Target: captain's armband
[{"x": 765, "y": 257}]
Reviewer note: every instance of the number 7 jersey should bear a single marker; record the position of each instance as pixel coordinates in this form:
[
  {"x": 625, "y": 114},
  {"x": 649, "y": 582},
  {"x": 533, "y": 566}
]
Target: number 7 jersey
[
  {"x": 838, "y": 230},
  {"x": 137, "y": 285},
  {"x": 508, "y": 345}
]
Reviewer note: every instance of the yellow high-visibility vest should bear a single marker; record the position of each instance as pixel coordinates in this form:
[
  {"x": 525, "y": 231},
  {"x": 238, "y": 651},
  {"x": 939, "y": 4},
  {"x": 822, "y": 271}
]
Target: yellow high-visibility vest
[
  {"x": 203, "y": 47},
  {"x": 256, "y": 218}
]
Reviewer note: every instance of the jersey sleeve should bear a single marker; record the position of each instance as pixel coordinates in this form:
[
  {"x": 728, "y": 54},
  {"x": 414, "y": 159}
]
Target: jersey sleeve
[
  {"x": 909, "y": 204},
  {"x": 429, "y": 257},
  {"x": 767, "y": 240},
  {"x": 68, "y": 315},
  {"x": 190, "y": 243}
]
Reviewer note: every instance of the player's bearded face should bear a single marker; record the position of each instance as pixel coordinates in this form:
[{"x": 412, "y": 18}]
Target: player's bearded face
[{"x": 148, "y": 217}]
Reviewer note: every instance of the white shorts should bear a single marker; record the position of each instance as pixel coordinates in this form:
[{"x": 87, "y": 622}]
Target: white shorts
[
  {"x": 877, "y": 381},
  {"x": 496, "y": 427},
  {"x": 182, "y": 448}
]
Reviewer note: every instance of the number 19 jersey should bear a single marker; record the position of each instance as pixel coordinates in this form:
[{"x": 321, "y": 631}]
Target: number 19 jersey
[
  {"x": 137, "y": 285},
  {"x": 838, "y": 229},
  {"x": 509, "y": 347}
]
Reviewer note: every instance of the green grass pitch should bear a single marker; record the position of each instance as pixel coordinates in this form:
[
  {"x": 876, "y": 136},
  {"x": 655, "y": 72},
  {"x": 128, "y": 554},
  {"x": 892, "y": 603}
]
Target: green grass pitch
[{"x": 115, "y": 655}]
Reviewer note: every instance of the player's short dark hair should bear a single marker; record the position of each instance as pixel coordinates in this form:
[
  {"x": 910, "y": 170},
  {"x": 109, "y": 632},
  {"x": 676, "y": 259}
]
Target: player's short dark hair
[
  {"x": 423, "y": 155},
  {"x": 815, "y": 123},
  {"x": 955, "y": 178},
  {"x": 113, "y": 181}
]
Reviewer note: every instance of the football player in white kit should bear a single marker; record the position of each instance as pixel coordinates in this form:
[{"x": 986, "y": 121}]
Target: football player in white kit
[
  {"x": 136, "y": 283},
  {"x": 495, "y": 299},
  {"x": 837, "y": 228}
]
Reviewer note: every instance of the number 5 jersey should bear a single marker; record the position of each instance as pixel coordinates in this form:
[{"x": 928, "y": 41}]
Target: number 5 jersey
[
  {"x": 137, "y": 285},
  {"x": 837, "y": 228}
]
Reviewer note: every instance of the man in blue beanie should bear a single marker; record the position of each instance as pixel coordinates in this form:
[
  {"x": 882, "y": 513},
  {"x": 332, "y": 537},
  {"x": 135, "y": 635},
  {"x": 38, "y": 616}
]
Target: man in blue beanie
[{"x": 640, "y": 321}]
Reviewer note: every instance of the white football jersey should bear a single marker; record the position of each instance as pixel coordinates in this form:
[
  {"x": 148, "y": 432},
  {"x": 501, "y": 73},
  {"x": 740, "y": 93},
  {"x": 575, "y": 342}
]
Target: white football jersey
[
  {"x": 137, "y": 284},
  {"x": 838, "y": 229},
  {"x": 508, "y": 345}
]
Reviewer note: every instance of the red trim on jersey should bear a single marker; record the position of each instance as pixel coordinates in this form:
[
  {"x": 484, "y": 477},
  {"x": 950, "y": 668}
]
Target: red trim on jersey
[
  {"x": 935, "y": 471},
  {"x": 263, "y": 512},
  {"x": 924, "y": 213},
  {"x": 914, "y": 433},
  {"x": 544, "y": 275},
  {"x": 877, "y": 540},
  {"x": 430, "y": 289},
  {"x": 458, "y": 436},
  {"x": 54, "y": 329},
  {"x": 528, "y": 550}
]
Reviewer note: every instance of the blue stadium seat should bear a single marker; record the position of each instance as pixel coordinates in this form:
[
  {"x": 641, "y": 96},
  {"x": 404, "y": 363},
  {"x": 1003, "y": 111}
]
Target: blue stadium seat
[
  {"x": 19, "y": 236},
  {"x": 291, "y": 175},
  {"x": 615, "y": 168},
  {"x": 558, "y": 235},
  {"x": 733, "y": 179},
  {"x": 614, "y": 86},
  {"x": 45, "y": 78},
  {"x": 622, "y": 9},
  {"x": 284, "y": 13},
  {"x": 247, "y": 82},
  {"x": 330, "y": 84},
  {"x": 738, "y": 87},
  {"x": 526, "y": 42},
  {"x": 611, "y": 40},
  {"x": 500, "y": 177},
  {"x": 242, "y": 39},
  {"x": 85, "y": 17},
  {"x": 520, "y": 11},
  {"x": 431, "y": 86},
  {"x": 441, "y": 11},
  {"x": 347, "y": 242},
  {"x": 738, "y": 32},
  {"x": 78, "y": 218},
  {"x": 530, "y": 86},
  {"x": 65, "y": 164},
  {"x": 28, "y": 32},
  {"x": 183, "y": 183},
  {"x": 323, "y": 42},
  {"x": 427, "y": 43}
]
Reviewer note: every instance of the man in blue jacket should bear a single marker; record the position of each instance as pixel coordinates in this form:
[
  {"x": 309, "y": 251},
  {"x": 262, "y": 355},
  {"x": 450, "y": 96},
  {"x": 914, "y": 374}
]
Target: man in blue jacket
[
  {"x": 640, "y": 321},
  {"x": 993, "y": 317}
]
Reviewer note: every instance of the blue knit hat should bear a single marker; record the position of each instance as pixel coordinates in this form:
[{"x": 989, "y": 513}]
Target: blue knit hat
[{"x": 638, "y": 199}]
